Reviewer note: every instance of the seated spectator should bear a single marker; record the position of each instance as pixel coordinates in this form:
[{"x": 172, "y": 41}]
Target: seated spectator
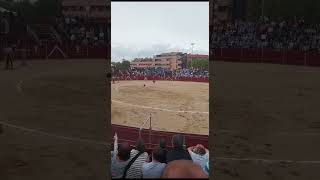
[
  {"x": 120, "y": 157},
  {"x": 135, "y": 170},
  {"x": 199, "y": 155},
  {"x": 183, "y": 169},
  {"x": 163, "y": 146},
  {"x": 154, "y": 168},
  {"x": 206, "y": 168},
  {"x": 178, "y": 152}
]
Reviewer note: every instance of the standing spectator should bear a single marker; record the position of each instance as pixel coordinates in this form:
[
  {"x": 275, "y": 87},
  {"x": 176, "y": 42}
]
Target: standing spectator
[
  {"x": 120, "y": 157},
  {"x": 154, "y": 168},
  {"x": 199, "y": 155},
  {"x": 163, "y": 146},
  {"x": 135, "y": 170},
  {"x": 178, "y": 152}
]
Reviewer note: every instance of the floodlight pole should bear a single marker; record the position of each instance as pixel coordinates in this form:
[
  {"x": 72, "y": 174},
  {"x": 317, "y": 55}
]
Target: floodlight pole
[{"x": 192, "y": 44}]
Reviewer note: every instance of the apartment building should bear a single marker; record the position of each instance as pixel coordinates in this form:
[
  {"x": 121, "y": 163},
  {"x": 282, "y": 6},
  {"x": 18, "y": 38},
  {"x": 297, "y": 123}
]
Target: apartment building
[{"x": 170, "y": 61}]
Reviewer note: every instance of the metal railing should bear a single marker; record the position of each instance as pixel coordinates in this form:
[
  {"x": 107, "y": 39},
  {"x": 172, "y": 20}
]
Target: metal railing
[{"x": 150, "y": 129}]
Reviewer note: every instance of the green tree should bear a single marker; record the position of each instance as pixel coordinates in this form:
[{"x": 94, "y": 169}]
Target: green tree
[
  {"x": 200, "y": 63},
  {"x": 121, "y": 65}
]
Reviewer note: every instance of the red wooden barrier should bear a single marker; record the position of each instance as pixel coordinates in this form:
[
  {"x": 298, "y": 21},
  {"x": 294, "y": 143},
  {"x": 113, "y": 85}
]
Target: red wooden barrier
[{"x": 290, "y": 57}]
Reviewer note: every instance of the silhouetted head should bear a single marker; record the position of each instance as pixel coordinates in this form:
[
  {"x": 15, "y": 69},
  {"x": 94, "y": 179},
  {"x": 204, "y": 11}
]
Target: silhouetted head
[
  {"x": 140, "y": 145},
  {"x": 183, "y": 169},
  {"x": 158, "y": 154},
  {"x": 163, "y": 143},
  {"x": 177, "y": 141},
  {"x": 124, "y": 151}
]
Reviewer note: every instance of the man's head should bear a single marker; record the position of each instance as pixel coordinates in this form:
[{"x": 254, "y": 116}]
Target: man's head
[
  {"x": 177, "y": 141},
  {"x": 124, "y": 151},
  {"x": 158, "y": 154},
  {"x": 163, "y": 143},
  {"x": 199, "y": 149},
  {"x": 140, "y": 145},
  {"x": 183, "y": 169}
]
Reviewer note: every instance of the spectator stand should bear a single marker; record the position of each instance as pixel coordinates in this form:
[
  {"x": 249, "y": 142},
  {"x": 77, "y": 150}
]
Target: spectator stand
[{"x": 152, "y": 137}]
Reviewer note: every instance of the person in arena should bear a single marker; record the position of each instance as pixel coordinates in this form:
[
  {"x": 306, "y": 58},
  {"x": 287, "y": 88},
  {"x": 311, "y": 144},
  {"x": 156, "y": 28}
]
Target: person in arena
[
  {"x": 184, "y": 169},
  {"x": 178, "y": 152},
  {"x": 8, "y": 55},
  {"x": 120, "y": 157},
  {"x": 138, "y": 157},
  {"x": 154, "y": 168},
  {"x": 199, "y": 155}
]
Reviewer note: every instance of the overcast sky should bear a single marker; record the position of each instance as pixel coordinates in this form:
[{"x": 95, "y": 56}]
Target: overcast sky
[{"x": 143, "y": 29}]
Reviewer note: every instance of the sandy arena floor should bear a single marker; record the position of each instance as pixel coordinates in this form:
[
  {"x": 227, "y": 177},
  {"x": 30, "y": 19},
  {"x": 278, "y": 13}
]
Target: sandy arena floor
[
  {"x": 265, "y": 122},
  {"x": 174, "y": 106},
  {"x": 65, "y": 98}
]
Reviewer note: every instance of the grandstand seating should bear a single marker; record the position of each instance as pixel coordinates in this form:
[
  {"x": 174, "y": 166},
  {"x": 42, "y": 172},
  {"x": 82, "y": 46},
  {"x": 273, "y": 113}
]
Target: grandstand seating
[{"x": 45, "y": 32}]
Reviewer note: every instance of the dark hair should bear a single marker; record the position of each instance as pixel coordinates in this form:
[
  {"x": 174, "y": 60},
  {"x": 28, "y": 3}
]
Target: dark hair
[
  {"x": 199, "y": 150},
  {"x": 124, "y": 151},
  {"x": 163, "y": 143},
  {"x": 140, "y": 145},
  {"x": 158, "y": 154},
  {"x": 177, "y": 141}
]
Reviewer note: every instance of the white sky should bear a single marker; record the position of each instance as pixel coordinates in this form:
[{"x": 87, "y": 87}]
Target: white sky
[{"x": 143, "y": 29}]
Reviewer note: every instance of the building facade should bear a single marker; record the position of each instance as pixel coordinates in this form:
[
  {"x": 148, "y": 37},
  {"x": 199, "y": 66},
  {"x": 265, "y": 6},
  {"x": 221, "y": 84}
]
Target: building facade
[
  {"x": 93, "y": 9},
  {"x": 170, "y": 61}
]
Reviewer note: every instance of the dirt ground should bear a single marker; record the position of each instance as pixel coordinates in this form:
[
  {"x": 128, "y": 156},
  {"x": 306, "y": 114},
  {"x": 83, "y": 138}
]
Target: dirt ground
[
  {"x": 174, "y": 106},
  {"x": 263, "y": 113},
  {"x": 65, "y": 98}
]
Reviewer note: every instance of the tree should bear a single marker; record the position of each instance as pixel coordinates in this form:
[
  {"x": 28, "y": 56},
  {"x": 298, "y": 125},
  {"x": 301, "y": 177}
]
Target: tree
[
  {"x": 200, "y": 63},
  {"x": 124, "y": 65}
]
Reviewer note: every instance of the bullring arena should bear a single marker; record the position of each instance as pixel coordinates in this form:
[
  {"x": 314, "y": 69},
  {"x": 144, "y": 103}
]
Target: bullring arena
[{"x": 175, "y": 106}]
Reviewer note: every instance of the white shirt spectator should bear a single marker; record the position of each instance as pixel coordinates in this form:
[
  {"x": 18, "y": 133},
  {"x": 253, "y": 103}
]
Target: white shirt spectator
[
  {"x": 199, "y": 159},
  {"x": 153, "y": 169},
  {"x": 135, "y": 171}
]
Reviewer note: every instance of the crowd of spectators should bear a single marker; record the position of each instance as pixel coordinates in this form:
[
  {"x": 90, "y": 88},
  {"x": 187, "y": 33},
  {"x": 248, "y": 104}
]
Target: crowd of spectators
[
  {"x": 160, "y": 72},
  {"x": 81, "y": 32},
  {"x": 178, "y": 162},
  {"x": 198, "y": 73},
  {"x": 292, "y": 35}
]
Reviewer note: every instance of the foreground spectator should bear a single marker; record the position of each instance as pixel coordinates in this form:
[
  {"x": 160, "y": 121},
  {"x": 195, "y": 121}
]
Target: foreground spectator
[
  {"x": 183, "y": 169},
  {"x": 178, "y": 152},
  {"x": 139, "y": 156},
  {"x": 120, "y": 157},
  {"x": 206, "y": 168},
  {"x": 199, "y": 155},
  {"x": 154, "y": 168},
  {"x": 163, "y": 146}
]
